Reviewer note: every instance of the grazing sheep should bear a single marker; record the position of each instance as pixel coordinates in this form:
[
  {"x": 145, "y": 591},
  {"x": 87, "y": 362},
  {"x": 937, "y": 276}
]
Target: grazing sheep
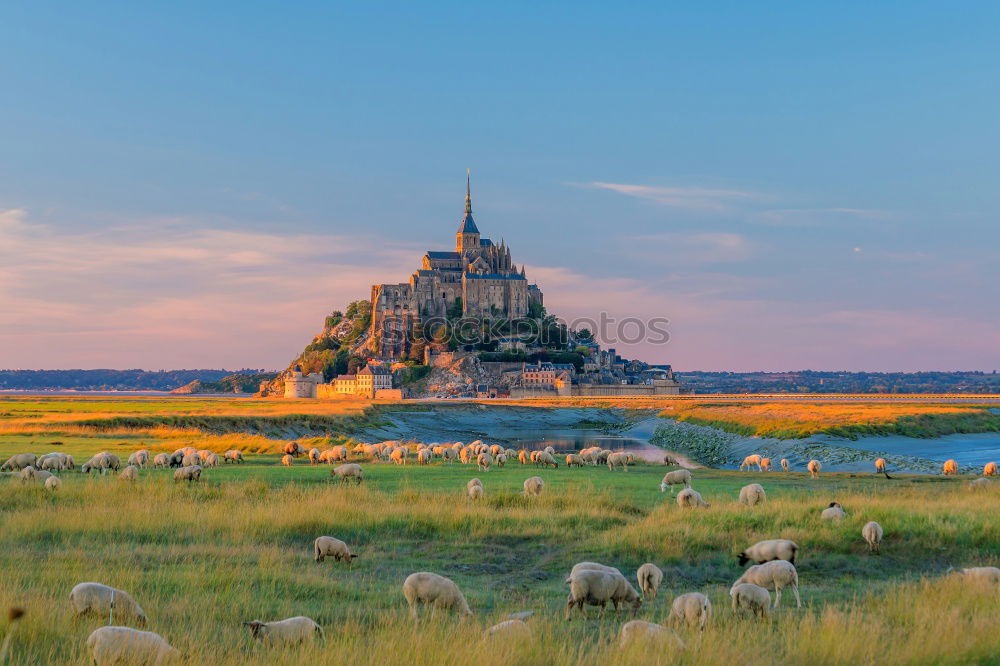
[
  {"x": 314, "y": 454},
  {"x": 473, "y": 482},
  {"x": 833, "y": 512},
  {"x": 880, "y": 466},
  {"x": 177, "y": 459},
  {"x": 619, "y": 459},
  {"x": 424, "y": 456},
  {"x": 669, "y": 460},
  {"x": 533, "y": 457},
  {"x": 814, "y": 467},
  {"x": 752, "y": 494},
  {"x": 130, "y": 473},
  {"x": 765, "y": 465},
  {"x": 50, "y": 462},
  {"x": 327, "y": 546},
  {"x": 690, "y": 498},
  {"x": 348, "y": 471},
  {"x": 749, "y": 597},
  {"x": 234, "y": 456},
  {"x": 100, "y": 599},
  {"x": 161, "y": 460},
  {"x": 509, "y": 629},
  {"x": 692, "y": 609},
  {"x": 101, "y": 461},
  {"x": 549, "y": 450},
  {"x": 784, "y": 464},
  {"x": 212, "y": 460},
  {"x": 574, "y": 459},
  {"x": 484, "y": 461},
  {"x": 476, "y": 492},
  {"x": 545, "y": 459},
  {"x": 438, "y": 592},
  {"x": 597, "y": 588},
  {"x": 29, "y": 473},
  {"x": 496, "y": 449},
  {"x": 750, "y": 461},
  {"x": 288, "y": 460},
  {"x": 533, "y": 485},
  {"x": 124, "y": 645},
  {"x": 204, "y": 455},
  {"x": 649, "y": 578},
  {"x": 593, "y": 566},
  {"x": 950, "y": 467},
  {"x": 678, "y": 477},
  {"x": 984, "y": 576},
  {"x": 191, "y": 459},
  {"x": 293, "y": 449},
  {"x": 292, "y": 631},
  {"x": 465, "y": 455},
  {"x": 602, "y": 456},
  {"x": 980, "y": 484},
  {"x": 771, "y": 549},
  {"x": 872, "y": 533},
  {"x": 449, "y": 455},
  {"x": 501, "y": 459},
  {"x": 647, "y": 632},
  {"x": 18, "y": 462},
  {"x": 777, "y": 574},
  {"x": 189, "y": 474},
  {"x": 990, "y": 469},
  {"x": 522, "y": 456},
  {"x": 53, "y": 483}
]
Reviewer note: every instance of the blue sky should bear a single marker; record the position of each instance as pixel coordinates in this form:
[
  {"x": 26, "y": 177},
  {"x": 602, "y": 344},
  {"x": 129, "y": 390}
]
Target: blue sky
[{"x": 792, "y": 185}]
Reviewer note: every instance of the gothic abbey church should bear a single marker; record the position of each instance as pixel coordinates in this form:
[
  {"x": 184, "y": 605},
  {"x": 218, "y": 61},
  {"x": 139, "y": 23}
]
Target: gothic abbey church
[{"x": 479, "y": 274}]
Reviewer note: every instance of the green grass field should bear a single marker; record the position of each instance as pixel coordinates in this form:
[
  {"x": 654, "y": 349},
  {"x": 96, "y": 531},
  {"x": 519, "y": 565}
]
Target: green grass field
[{"x": 203, "y": 558}]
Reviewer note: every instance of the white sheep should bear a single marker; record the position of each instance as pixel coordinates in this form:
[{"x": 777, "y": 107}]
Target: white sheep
[
  {"x": 534, "y": 485},
  {"x": 785, "y": 464},
  {"x": 872, "y": 533},
  {"x": 984, "y": 576},
  {"x": 53, "y": 483},
  {"x": 189, "y": 474},
  {"x": 424, "y": 456},
  {"x": 191, "y": 459},
  {"x": 139, "y": 459},
  {"x": 833, "y": 512},
  {"x": 18, "y": 462},
  {"x": 484, "y": 461},
  {"x": 161, "y": 460},
  {"x": 509, "y": 629},
  {"x": 124, "y": 645},
  {"x": 348, "y": 471},
  {"x": 438, "y": 592},
  {"x": 501, "y": 459},
  {"x": 691, "y": 498},
  {"x": 314, "y": 454},
  {"x": 476, "y": 492},
  {"x": 574, "y": 459},
  {"x": 597, "y": 588},
  {"x": 647, "y": 632},
  {"x": 593, "y": 566},
  {"x": 649, "y": 577},
  {"x": 777, "y": 574},
  {"x": 100, "y": 599},
  {"x": 327, "y": 546},
  {"x": 749, "y": 597},
  {"x": 233, "y": 456},
  {"x": 814, "y": 467},
  {"x": 618, "y": 459},
  {"x": 678, "y": 477},
  {"x": 692, "y": 609},
  {"x": 750, "y": 461},
  {"x": 752, "y": 494},
  {"x": 288, "y": 460},
  {"x": 130, "y": 473},
  {"x": 29, "y": 473},
  {"x": 291, "y": 631},
  {"x": 398, "y": 455},
  {"x": 980, "y": 483},
  {"x": 544, "y": 458},
  {"x": 771, "y": 549}
]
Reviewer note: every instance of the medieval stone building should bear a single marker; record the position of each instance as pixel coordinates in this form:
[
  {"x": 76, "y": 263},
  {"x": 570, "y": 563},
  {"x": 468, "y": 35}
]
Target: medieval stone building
[{"x": 479, "y": 274}]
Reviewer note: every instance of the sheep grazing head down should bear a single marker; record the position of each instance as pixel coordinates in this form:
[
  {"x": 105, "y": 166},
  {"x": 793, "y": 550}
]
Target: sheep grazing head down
[
  {"x": 255, "y": 627},
  {"x": 743, "y": 559}
]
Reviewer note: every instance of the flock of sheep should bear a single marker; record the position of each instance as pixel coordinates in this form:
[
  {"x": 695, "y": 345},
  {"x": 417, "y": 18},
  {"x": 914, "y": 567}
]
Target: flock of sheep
[
  {"x": 590, "y": 583},
  {"x": 814, "y": 467}
]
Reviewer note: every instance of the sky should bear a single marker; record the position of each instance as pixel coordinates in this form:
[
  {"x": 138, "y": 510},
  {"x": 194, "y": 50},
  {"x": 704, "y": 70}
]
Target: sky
[{"x": 792, "y": 185}]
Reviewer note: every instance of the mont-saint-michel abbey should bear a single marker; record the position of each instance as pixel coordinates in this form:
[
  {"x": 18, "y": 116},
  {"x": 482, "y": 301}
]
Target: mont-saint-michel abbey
[{"x": 406, "y": 340}]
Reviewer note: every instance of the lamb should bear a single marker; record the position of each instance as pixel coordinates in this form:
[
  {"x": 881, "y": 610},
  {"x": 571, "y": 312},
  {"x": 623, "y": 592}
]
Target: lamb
[
  {"x": 618, "y": 459},
  {"x": 314, "y": 456},
  {"x": 752, "y": 494},
  {"x": 510, "y": 629},
  {"x": 990, "y": 469},
  {"x": 647, "y": 632},
  {"x": 649, "y": 577},
  {"x": 53, "y": 483},
  {"x": 574, "y": 459},
  {"x": 191, "y": 459},
  {"x": 291, "y": 631},
  {"x": 139, "y": 458},
  {"x": 690, "y": 498},
  {"x": 545, "y": 459},
  {"x": 692, "y": 609},
  {"x": 984, "y": 576},
  {"x": 814, "y": 468},
  {"x": 288, "y": 460},
  {"x": 777, "y": 574},
  {"x": 130, "y": 473},
  {"x": 534, "y": 486},
  {"x": 189, "y": 474},
  {"x": 771, "y": 549},
  {"x": 124, "y": 645},
  {"x": 784, "y": 464},
  {"x": 161, "y": 460},
  {"x": 750, "y": 461},
  {"x": 880, "y": 465},
  {"x": 425, "y": 588},
  {"x": 101, "y": 599},
  {"x": 327, "y": 546},
  {"x": 749, "y": 597},
  {"x": 833, "y": 512},
  {"x": 872, "y": 533},
  {"x": 597, "y": 588},
  {"x": 765, "y": 464},
  {"x": 484, "y": 461},
  {"x": 234, "y": 456},
  {"x": 18, "y": 462},
  {"x": 293, "y": 449},
  {"x": 348, "y": 471},
  {"x": 950, "y": 467},
  {"x": 678, "y": 477}
]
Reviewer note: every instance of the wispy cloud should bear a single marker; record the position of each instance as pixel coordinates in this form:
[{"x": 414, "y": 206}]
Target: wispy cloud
[
  {"x": 709, "y": 247},
  {"x": 816, "y": 217},
  {"x": 688, "y": 198}
]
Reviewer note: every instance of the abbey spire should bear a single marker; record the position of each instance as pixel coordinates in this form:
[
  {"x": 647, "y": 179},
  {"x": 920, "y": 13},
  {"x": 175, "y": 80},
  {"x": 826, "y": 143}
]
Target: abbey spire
[{"x": 467, "y": 237}]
